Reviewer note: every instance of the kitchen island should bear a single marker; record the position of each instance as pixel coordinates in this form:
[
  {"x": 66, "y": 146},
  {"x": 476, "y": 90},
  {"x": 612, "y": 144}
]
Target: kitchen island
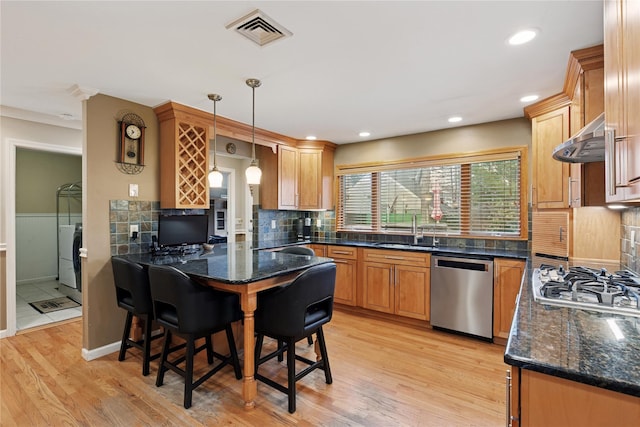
[
  {"x": 561, "y": 355},
  {"x": 237, "y": 268}
]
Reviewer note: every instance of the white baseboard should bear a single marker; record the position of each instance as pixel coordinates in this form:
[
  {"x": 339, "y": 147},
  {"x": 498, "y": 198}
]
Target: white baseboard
[
  {"x": 35, "y": 280},
  {"x": 3, "y": 333},
  {"x": 100, "y": 351}
]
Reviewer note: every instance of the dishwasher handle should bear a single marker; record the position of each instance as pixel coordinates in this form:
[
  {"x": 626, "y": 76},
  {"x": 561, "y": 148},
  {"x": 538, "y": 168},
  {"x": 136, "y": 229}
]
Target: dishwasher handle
[{"x": 461, "y": 263}]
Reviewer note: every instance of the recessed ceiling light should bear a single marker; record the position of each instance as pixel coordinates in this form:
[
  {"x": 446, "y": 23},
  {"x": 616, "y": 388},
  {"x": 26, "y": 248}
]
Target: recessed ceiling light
[
  {"x": 529, "y": 98},
  {"x": 455, "y": 119},
  {"x": 522, "y": 37},
  {"x": 363, "y": 134},
  {"x": 310, "y": 137}
]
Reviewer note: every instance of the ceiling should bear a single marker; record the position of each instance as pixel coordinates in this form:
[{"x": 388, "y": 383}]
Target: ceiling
[{"x": 387, "y": 67}]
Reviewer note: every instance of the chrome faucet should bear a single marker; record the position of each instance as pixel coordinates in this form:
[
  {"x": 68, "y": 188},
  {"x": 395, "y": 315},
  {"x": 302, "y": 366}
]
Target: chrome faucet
[
  {"x": 436, "y": 241},
  {"x": 414, "y": 228}
]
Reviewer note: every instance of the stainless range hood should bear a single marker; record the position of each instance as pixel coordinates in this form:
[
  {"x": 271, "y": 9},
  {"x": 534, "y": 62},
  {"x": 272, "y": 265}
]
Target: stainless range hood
[{"x": 585, "y": 146}]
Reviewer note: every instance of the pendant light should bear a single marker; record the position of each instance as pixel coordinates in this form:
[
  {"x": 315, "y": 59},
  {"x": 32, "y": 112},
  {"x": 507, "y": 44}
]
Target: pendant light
[
  {"x": 215, "y": 176},
  {"x": 253, "y": 172}
]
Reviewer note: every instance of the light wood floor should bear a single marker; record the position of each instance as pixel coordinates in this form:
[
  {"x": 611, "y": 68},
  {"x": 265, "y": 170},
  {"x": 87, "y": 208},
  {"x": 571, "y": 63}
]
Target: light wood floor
[{"x": 384, "y": 374}]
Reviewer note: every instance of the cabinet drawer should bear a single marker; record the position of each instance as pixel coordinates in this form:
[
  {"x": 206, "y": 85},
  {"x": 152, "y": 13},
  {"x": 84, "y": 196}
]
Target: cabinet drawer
[
  {"x": 319, "y": 249},
  {"x": 344, "y": 252},
  {"x": 397, "y": 257}
]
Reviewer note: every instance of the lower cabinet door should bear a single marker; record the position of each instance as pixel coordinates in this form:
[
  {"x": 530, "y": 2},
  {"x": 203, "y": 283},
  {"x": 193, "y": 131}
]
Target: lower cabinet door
[
  {"x": 411, "y": 291},
  {"x": 346, "y": 276},
  {"x": 378, "y": 287}
]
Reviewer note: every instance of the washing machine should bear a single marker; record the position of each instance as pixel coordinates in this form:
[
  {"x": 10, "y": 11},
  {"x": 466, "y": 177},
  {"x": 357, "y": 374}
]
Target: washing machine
[{"x": 70, "y": 242}]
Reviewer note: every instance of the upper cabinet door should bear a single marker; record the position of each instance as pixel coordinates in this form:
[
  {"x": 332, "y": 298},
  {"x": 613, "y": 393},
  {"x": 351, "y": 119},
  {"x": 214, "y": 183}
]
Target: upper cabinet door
[
  {"x": 631, "y": 14},
  {"x": 550, "y": 177},
  {"x": 622, "y": 99},
  {"x": 288, "y": 168},
  {"x": 310, "y": 179}
]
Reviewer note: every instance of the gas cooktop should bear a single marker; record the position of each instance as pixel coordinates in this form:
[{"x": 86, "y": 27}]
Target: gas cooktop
[{"x": 588, "y": 288}]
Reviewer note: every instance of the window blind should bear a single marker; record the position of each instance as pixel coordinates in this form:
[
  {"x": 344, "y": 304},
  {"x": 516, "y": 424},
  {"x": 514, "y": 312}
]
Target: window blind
[{"x": 481, "y": 195}]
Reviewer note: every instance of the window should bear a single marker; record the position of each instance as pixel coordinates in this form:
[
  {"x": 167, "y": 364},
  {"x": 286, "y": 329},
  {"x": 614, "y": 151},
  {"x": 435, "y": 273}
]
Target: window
[{"x": 477, "y": 195}]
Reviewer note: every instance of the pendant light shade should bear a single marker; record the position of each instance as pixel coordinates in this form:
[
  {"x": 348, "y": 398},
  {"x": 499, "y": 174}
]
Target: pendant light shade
[
  {"x": 215, "y": 176},
  {"x": 253, "y": 172}
]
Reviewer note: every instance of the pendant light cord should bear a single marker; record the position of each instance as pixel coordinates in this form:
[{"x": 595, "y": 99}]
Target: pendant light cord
[
  {"x": 215, "y": 136},
  {"x": 253, "y": 126}
]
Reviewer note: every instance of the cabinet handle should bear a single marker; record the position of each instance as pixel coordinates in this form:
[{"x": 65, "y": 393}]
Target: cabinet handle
[
  {"x": 533, "y": 196},
  {"x": 570, "y": 195},
  {"x": 612, "y": 162},
  {"x": 394, "y": 257},
  {"x": 561, "y": 230},
  {"x": 340, "y": 261},
  {"x": 508, "y": 397},
  {"x": 342, "y": 252}
]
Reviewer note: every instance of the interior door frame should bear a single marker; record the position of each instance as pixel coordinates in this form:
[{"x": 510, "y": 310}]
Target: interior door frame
[{"x": 12, "y": 144}]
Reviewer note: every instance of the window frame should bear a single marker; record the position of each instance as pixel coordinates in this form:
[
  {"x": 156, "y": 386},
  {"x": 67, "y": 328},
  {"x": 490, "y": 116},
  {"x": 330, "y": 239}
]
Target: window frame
[{"x": 462, "y": 159}]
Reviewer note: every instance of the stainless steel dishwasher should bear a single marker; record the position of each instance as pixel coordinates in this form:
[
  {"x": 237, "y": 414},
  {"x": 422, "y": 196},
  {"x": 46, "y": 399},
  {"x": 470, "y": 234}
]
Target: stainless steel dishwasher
[{"x": 462, "y": 294}]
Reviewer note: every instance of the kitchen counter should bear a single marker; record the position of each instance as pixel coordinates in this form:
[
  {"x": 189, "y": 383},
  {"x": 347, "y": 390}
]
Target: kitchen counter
[
  {"x": 574, "y": 344},
  {"x": 233, "y": 263},
  {"x": 448, "y": 250}
]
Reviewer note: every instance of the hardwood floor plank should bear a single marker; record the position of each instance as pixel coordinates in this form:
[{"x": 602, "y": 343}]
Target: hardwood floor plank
[{"x": 385, "y": 374}]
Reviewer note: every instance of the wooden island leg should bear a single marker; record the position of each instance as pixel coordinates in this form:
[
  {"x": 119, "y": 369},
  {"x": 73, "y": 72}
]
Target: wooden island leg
[{"x": 248, "y": 303}]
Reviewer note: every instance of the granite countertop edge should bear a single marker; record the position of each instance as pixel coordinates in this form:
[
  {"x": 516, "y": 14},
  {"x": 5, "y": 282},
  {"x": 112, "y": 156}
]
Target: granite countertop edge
[
  {"x": 445, "y": 250},
  {"x": 532, "y": 334}
]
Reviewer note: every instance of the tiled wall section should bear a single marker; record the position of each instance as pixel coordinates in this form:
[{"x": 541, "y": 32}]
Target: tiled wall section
[
  {"x": 123, "y": 213},
  {"x": 285, "y": 228},
  {"x": 629, "y": 256},
  {"x": 512, "y": 245}
]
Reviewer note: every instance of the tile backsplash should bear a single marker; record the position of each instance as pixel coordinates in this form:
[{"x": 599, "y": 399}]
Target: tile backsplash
[
  {"x": 630, "y": 224},
  {"x": 264, "y": 231},
  {"x": 124, "y": 213}
]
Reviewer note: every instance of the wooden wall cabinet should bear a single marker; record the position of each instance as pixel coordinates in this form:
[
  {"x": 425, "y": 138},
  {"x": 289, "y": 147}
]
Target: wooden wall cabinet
[
  {"x": 574, "y": 403},
  {"x": 550, "y": 187},
  {"x": 346, "y": 259},
  {"x": 622, "y": 100},
  {"x": 557, "y": 184},
  {"x": 507, "y": 278},
  {"x": 297, "y": 178},
  {"x": 184, "y": 157},
  {"x": 397, "y": 282}
]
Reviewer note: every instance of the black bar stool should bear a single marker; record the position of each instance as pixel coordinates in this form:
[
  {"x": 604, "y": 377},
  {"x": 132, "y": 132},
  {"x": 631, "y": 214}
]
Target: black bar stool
[
  {"x": 134, "y": 295},
  {"x": 192, "y": 311},
  {"x": 291, "y": 313}
]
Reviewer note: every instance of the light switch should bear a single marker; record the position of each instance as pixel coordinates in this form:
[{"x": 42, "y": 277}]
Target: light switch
[
  {"x": 133, "y": 228},
  {"x": 318, "y": 223},
  {"x": 133, "y": 190},
  {"x": 273, "y": 224}
]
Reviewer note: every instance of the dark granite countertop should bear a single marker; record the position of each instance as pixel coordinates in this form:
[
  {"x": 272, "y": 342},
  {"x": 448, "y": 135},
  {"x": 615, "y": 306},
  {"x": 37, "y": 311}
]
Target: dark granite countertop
[
  {"x": 574, "y": 344},
  {"x": 444, "y": 250},
  {"x": 235, "y": 263}
]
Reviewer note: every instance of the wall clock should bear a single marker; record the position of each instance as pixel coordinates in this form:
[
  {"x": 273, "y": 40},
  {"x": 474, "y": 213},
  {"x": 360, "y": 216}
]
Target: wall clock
[
  {"x": 131, "y": 143},
  {"x": 231, "y": 148}
]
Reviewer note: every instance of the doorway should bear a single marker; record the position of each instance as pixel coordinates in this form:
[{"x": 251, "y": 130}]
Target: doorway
[{"x": 20, "y": 290}]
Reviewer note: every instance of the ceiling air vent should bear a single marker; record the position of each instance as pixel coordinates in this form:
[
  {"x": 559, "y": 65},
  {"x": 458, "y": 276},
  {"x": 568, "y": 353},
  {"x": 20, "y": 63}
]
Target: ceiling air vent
[{"x": 259, "y": 28}]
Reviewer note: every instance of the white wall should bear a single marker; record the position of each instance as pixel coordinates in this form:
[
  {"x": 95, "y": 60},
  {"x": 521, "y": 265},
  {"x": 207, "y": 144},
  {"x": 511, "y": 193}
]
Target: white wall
[{"x": 37, "y": 246}]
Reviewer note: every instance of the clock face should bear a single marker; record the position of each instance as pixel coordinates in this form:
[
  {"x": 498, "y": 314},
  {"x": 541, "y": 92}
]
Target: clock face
[
  {"x": 231, "y": 148},
  {"x": 133, "y": 132}
]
